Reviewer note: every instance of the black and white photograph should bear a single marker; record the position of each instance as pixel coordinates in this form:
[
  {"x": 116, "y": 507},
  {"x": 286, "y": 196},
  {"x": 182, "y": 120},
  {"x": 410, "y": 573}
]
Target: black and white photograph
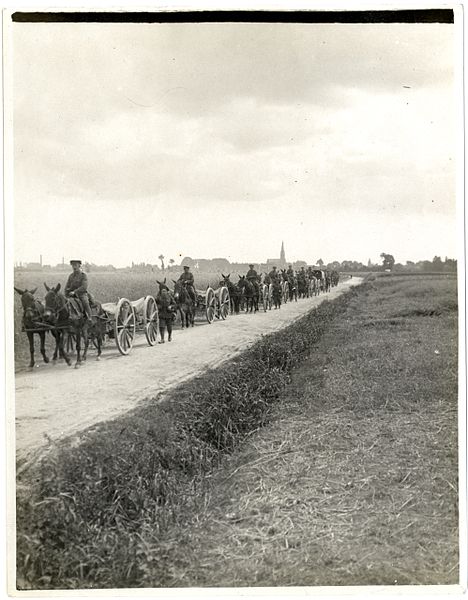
[{"x": 234, "y": 299}]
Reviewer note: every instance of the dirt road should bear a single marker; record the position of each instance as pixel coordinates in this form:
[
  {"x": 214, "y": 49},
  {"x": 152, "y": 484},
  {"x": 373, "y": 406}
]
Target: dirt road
[{"x": 55, "y": 401}]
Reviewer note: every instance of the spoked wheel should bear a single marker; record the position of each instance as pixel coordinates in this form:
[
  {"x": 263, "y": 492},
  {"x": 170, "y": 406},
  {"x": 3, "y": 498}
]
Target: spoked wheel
[
  {"x": 151, "y": 320},
  {"x": 224, "y": 303},
  {"x": 270, "y": 296},
  {"x": 125, "y": 326},
  {"x": 265, "y": 297},
  {"x": 210, "y": 299}
]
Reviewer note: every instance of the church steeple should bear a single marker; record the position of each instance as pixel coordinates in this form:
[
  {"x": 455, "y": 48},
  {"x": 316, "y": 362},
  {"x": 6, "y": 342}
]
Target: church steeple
[{"x": 282, "y": 255}]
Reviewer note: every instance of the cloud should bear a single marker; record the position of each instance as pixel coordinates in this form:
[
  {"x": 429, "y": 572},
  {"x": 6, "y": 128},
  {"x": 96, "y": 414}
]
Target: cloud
[{"x": 352, "y": 122}]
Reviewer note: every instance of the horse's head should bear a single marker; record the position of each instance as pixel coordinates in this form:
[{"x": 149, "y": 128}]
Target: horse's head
[
  {"x": 54, "y": 302},
  {"x": 162, "y": 285},
  {"x": 31, "y": 306},
  {"x": 178, "y": 289}
]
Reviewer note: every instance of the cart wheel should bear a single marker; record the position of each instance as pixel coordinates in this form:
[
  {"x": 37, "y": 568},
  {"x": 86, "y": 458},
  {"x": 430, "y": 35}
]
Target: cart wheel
[
  {"x": 224, "y": 302},
  {"x": 265, "y": 299},
  {"x": 210, "y": 300},
  {"x": 151, "y": 320},
  {"x": 270, "y": 296},
  {"x": 124, "y": 326}
]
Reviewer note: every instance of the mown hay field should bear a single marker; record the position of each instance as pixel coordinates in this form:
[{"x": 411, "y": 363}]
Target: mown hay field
[
  {"x": 105, "y": 287},
  {"x": 324, "y": 455}
]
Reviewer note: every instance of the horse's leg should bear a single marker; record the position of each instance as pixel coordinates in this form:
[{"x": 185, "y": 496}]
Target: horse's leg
[
  {"x": 78, "y": 349},
  {"x": 30, "y": 335},
  {"x": 56, "y": 349},
  {"x": 62, "y": 353},
  {"x": 43, "y": 351},
  {"x": 182, "y": 316},
  {"x": 98, "y": 339},
  {"x": 86, "y": 337}
]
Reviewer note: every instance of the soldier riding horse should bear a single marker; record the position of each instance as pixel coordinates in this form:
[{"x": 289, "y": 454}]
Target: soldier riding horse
[
  {"x": 250, "y": 293},
  {"x": 68, "y": 314},
  {"x": 184, "y": 303}
]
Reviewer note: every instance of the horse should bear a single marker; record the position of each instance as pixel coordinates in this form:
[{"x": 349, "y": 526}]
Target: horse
[
  {"x": 184, "y": 303},
  {"x": 292, "y": 280},
  {"x": 67, "y": 314},
  {"x": 250, "y": 293},
  {"x": 234, "y": 293},
  {"x": 33, "y": 312},
  {"x": 335, "y": 278},
  {"x": 277, "y": 293},
  {"x": 302, "y": 287}
]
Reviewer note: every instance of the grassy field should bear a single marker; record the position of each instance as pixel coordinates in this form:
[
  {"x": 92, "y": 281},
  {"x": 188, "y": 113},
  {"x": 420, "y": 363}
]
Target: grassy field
[
  {"x": 105, "y": 287},
  {"x": 355, "y": 480},
  {"x": 325, "y": 455}
]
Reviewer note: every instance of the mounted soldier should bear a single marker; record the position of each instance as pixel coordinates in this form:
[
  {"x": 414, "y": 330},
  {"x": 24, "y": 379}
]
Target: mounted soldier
[
  {"x": 187, "y": 279},
  {"x": 290, "y": 271},
  {"x": 273, "y": 275},
  {"x": 252, "y": 276},
  {"x": 77, "y": 287}
]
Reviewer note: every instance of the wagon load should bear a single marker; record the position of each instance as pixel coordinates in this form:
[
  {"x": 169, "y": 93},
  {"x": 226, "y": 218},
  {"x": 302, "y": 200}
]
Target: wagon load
[{"x": 124, "y": 318}]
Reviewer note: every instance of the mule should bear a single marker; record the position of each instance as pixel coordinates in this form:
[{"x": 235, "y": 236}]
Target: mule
[
  {"x": 33, "y": 313},
  {"x": 277, "y": 293},
  {"x": 184, "y": 303},
  {"x": 66, "y": 314},
  {"x": 250, "y": 293}
]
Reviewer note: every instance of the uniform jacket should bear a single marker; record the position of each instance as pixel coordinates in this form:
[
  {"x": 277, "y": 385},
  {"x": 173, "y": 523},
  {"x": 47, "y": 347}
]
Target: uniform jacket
[
  {"x": 273, "y": 275},
  {"x": 252, "y": 274},
  {"x": 187, "y": 277},
  {"x": 77, "y": 282}
]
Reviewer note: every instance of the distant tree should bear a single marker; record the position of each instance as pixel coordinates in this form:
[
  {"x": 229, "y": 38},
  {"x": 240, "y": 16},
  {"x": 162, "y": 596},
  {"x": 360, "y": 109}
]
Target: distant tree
[
  {"x": 387, "y": 261},
  {"x": 161, "y": 258},
  {"x": 171, "y": 262},
  {"x": 450, "y": 264},
  {"x": 320, "y": 262},
  {"x": 437, "y": 263}
]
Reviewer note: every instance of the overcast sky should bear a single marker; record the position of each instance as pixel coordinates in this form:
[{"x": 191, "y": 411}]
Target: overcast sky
[{"x": 222, "y": 140}]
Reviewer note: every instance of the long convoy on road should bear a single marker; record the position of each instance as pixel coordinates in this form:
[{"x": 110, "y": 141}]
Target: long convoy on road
[{"x": 120, "y": 321}]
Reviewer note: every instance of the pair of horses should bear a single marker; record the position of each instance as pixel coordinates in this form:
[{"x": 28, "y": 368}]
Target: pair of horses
[
  {"x": 59, "y": 315},
  {"x": 244, "y": 294}
]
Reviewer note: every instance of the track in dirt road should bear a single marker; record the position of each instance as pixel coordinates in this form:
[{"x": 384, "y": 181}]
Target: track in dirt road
[{"x": 56, "y": 401}]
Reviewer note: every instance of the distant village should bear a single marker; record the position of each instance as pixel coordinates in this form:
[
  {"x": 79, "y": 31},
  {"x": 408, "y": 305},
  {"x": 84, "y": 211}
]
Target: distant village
[{"x": 223, "y": 265}]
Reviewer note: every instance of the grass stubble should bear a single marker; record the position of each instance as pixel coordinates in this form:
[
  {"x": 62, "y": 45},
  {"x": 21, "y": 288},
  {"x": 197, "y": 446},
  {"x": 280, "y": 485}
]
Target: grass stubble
[{"x": 354, "y": 481}]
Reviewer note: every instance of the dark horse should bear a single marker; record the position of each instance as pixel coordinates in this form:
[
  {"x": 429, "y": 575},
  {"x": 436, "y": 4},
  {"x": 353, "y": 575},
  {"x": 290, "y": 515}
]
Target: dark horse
[
  {"x": 234, "y": 293},
  {"x": 33, "y": 313},
  {"x": 277, "y": 293},
  {"x": 292, "y": 280},
  {"x": 250, "y": 293},
  {"x": 66, "y": 314},
  {"x": 184, "y": 304}
]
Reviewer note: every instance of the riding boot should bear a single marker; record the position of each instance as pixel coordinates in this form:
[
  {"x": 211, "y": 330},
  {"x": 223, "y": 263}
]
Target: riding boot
[
  {"x": 161, "y": 333},
  {"x": 86, "y": 307}
]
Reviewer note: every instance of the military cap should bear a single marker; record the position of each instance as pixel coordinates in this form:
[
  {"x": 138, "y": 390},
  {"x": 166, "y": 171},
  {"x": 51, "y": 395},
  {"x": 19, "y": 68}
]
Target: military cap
[{"x": 76, "y": 261}]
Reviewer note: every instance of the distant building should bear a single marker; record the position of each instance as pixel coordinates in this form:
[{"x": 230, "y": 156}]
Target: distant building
[{"x": 279, "y": 262}]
